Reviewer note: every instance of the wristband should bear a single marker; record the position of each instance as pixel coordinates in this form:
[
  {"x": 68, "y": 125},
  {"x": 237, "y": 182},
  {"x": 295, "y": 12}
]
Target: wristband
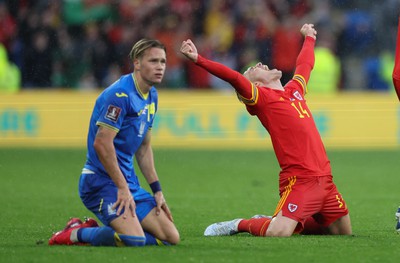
[{"x": 155, "y": 187}]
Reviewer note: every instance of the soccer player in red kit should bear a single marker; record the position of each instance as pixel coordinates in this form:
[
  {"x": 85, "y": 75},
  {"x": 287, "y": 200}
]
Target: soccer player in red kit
[
  {"x": 309, "y": 200},
  {"x": 396, "y": 83},
  {"x": 396, "y": 69}
]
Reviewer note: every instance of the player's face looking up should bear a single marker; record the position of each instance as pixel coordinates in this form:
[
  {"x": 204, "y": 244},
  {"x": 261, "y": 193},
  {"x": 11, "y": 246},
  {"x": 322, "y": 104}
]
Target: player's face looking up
[
  {"x": 151, "y": 65},
  {"x": 262, "y": 73}
]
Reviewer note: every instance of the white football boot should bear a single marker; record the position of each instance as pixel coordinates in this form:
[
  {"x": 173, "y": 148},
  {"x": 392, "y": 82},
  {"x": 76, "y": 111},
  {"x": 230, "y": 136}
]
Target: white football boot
[
  {"x": 227, "y": 228},
  {"x": 398, "y": 220}
]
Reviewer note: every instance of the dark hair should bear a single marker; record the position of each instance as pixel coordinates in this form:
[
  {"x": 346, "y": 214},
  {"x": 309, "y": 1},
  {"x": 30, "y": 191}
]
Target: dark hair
[{"x": 142, "y": 45}]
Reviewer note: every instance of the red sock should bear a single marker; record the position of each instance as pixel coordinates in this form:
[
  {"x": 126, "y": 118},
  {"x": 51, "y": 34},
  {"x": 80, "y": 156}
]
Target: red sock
[
  {"x": 254, "y": 226},
  {"x": 396, "y": 69},
  {"x": 311, "y": 227}
]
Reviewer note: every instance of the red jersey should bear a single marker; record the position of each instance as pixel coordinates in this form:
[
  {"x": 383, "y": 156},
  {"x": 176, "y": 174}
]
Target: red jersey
[{"x": 285, "y": 115}]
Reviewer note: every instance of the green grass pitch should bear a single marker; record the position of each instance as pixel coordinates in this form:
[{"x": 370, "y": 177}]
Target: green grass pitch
[{"x": 39, "y": 193}]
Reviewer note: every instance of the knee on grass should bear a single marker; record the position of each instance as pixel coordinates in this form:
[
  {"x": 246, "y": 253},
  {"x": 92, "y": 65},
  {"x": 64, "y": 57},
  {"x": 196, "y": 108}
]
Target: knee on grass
[
  {"x": 278, "y": 233},
  {"x": 171, "y": 238}
]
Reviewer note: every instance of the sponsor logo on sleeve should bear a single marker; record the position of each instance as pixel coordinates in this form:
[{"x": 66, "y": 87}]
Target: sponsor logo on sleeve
[
  {"x": 121, "y": 94},
  {"x": 113, "y": 113}
]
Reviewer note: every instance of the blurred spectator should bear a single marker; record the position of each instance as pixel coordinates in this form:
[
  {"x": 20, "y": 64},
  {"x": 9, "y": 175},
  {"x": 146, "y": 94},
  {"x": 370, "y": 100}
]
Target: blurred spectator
[
  {"x": 354, "y": 45},
  {"x": 255, "y": 25},
  {"x": 219, "y": 26},
  {"x": 97, "y": 53},
  {"x": 171, "y": 31},
  {"x": 219, "y": 30},
  {"x": 386, "y": 69},
  {"x": 247, "y": 58},
  {"x": 122, "y": 38},
  {"x": 68, "y": 64},
  {"x": 327, "y": 68},
  {"x": 357, "y": 34},
  {"x": 386, "y": 15},
  {"x": 197, "y": 77},
  {"x": 78, "y": 12},
  {"x": 8, "y": 34},
  {"x": 373, "y": 68},
  {"x": 10, "y": 76},
  {"x": 227, "y": 59},
  {"x": 286, "y": 45},
  {"x": 38, "y": 62},
  {"x": 114, "y": 73},
  {"x": 8, "y": 26}
]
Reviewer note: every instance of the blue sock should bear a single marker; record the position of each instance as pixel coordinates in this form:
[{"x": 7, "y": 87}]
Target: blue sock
[
  {"x": 106, "y": 236},
  {"x": 132, "y": 241},
  {"x": 151, "y": 240},
  {"x": 97, "y": 236}
]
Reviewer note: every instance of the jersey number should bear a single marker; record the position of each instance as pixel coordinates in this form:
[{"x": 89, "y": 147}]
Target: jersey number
[{"x": 302, "y": 112}]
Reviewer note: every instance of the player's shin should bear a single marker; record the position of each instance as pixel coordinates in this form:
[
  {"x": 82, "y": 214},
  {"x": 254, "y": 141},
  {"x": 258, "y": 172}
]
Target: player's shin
[
  {"x": 106, "y": 236},
  {"x": 254, "y": 226}
]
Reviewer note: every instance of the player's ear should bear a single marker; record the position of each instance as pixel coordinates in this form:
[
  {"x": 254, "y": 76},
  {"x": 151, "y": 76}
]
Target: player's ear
[{"x": 136, "y": 64}]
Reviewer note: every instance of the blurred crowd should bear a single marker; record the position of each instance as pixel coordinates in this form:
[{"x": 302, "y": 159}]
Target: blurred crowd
[{"x": 84, "y": 44}]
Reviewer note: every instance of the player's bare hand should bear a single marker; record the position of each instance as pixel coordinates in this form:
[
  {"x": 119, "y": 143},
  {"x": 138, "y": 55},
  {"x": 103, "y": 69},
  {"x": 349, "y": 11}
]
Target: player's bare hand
[
  {"x": 189, "y": 50},
  {"x": 308, "y": 30},
  {"x": 162, "y": 205},
  {"x": 125, "y": 201}
]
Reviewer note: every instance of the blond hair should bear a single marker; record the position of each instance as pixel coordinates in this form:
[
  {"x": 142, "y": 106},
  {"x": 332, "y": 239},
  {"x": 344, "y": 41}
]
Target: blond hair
[{"x": 142, "y": 45}]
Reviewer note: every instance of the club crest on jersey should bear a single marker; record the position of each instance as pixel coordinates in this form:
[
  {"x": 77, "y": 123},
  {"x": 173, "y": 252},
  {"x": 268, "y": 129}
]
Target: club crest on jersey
[
  {"x": 113, "y": 113},
  {"x": 297, "y": 95},
  {"x": 292, "y": 207}
]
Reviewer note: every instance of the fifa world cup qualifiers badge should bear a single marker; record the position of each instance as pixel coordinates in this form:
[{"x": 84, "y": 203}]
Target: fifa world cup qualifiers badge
[{"x": 113, "y": 113}]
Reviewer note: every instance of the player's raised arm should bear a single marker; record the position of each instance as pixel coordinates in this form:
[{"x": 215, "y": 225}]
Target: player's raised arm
[
  {"x": 242, "y": 85},
  {"x": 306, "y": 58}
]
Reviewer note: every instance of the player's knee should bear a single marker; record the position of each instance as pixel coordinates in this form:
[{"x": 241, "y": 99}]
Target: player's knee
[
  {"x": 172, "y": 238},
  {"x": 346, "y": 232},
  {"x": 342, "y": 226},
  {"x": 281, "y": 226},
  {"x": 340, "y": 230},
  {"x": 169, "y": 234},
  {"x": 279, "y": 232}
]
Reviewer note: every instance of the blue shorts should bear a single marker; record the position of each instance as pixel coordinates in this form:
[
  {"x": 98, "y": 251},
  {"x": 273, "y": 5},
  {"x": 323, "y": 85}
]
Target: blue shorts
[{"x": 99, "y": 193}]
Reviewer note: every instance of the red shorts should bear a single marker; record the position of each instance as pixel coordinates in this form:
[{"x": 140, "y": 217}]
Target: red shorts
[{"x": 315, "y": 196}]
